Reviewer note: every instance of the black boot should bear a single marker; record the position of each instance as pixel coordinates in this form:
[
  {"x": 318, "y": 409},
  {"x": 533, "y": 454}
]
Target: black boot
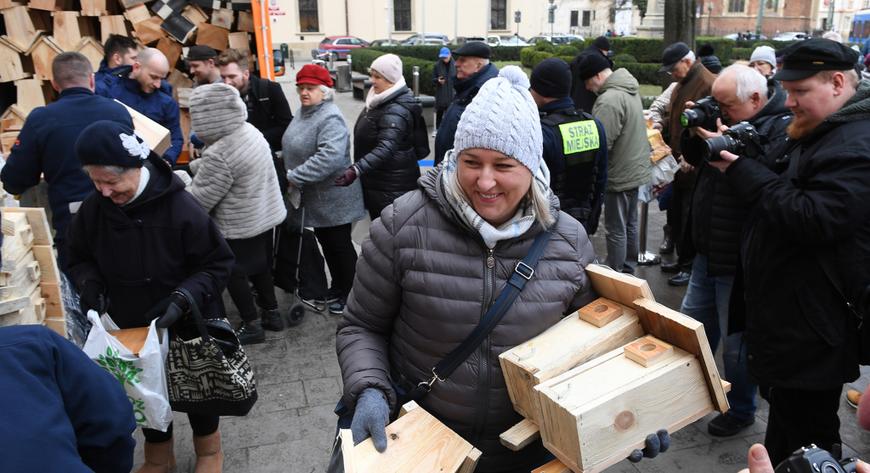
[
  {"x": 272, "y": 320},
  {"x": 667, "y": 246},
  {"x": 251, "y": 332}
]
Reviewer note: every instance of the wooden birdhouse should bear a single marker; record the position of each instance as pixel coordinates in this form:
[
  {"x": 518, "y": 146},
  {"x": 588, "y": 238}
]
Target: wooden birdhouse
[
  {"x": 11, "y": 66},
  {"x": 20, "y": 29},
  {"x": 42, "y": 53},
  {"x": 418, "y": 442},
  {"x": 93, "y": 7},
  {"x": 31, "y": 93},
  {"x": 112, "y": 24},
  {"x": 12, "y": 119},
  {"x": 66, "y": 32},
  {"x": 92, "y": 50},
  {"x": 156, "y": 136},
  {"x": 50, "y": 5},
  {"x": 629, "y": 366}
]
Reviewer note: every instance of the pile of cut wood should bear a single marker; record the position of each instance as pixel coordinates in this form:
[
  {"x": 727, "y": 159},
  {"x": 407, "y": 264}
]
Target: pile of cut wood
[
  {"x": 29, "y": 276},
  {"x": 37, "y": 31}
]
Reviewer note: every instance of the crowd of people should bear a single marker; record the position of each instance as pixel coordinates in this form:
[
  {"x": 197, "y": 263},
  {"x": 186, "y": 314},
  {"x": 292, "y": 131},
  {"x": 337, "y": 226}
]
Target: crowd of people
[{"x": 771, "y": 231}]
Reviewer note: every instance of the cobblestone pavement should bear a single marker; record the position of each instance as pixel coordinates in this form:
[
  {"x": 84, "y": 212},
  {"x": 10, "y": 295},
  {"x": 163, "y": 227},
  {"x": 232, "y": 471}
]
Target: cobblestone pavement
[{"x": 290, "y": 429}]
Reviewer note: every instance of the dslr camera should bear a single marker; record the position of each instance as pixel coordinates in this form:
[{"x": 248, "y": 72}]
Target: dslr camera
[
  {"x": 741, "y": 139},
  {"x": 703, "y": 114},
  {"x": 813, "y": 459}
]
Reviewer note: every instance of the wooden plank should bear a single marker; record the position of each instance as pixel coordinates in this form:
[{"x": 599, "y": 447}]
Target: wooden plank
[
  {"x": 563, "y": 346},
  {"x": 19, "y": 27},
  {"x": 42, "y": 53},
  {"x": 48, "y": 5},
  {"x": 554, "y": 466},
  {"x": 127, "y": 4},
  {"x": 687, "y": 333},
  {"x": 149, "y": 31},
  {"x": 155, "y": 135},
  {"x": 112, "y": 24},
  {"x": 93, "y": 7},
  {"x": 246, "y": 22},
  {"x": 408, "y": 407},
  {"x": 12, "y": 318},
  {"x": 13, "y": 118},
  {"x": 30, "y": 94},
  {"x": 53, "y": 300},
  {"x": 7, "y": 141},
  {"x": 38, "y": 305},
  {"x": 92, "y": 50},
  {"x": 417, "y": 442},
  {"x": 214, "y": 36},
  {"x": 38, "y": 221},
  {"x": 240, "y": 41},
  {"x": 14, "y": 305},
  {"x": 44, "y": 255},
  {"x": 647, "y": 351},
  {"x": 470, "y": 462},
  {"x": 616, "y": 286},
  {"x": 347, "y": 451},
  {"x": 4, "y": 4},
  {"x": 171, "y": 49},
  {"x": 600, "y": 312},
  {"x": 137, "y": 14},
  {"x": 223, "y": 18},
  {"x": 11, "y": 66},
  {"x": 56, "y": 324},
  {"x": 520, "y": 435},
  {"x": 194, "y": 14},
  {"x": 66, "y": 32}
]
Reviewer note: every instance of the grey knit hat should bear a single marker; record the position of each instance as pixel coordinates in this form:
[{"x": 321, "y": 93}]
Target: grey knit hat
[
  {"x": 503, "y": 117},
  {"x": 216, "y": 110}
]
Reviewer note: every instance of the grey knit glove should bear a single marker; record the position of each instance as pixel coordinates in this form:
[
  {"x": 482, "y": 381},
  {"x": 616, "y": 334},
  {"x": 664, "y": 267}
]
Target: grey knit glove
[
  {"x": 656, "y": 443},
  {"x": 370, "y": 418}
]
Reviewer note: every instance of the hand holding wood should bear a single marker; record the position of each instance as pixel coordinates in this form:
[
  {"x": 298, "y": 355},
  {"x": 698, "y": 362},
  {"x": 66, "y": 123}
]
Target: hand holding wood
[{"x": 370, "y": 418}]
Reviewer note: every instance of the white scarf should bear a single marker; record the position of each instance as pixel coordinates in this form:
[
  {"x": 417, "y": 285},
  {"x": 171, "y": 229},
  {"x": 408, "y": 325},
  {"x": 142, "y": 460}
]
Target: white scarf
[
  {"x": 520, "y": 223},
  {"x": 373, "y": 99}
]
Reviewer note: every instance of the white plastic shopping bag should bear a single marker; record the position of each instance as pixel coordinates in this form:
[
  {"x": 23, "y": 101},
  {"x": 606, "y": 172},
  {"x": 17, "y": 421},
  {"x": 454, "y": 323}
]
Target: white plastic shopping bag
[{"x": 143, "y": 376}]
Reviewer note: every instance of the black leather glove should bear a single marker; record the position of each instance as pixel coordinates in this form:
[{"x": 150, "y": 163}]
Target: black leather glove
[
  {"x": 169, "y": 310},
  {"x": 656, "y": 443},
  {"x": 93, "y": 297},
  {"x": 347, "y": 178}
]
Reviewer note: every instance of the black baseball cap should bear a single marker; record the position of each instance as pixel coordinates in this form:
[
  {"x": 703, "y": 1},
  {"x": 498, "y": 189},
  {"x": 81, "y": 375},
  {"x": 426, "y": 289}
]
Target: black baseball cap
[
  {"x": 200, "y": 53},
  {"x": 672, "y": 55},
  {"x": 806, "y": 58},
  {"x": 474, "y": 49}
]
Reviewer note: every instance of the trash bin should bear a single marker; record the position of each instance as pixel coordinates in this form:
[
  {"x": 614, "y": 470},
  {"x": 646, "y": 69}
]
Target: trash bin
[{"x": 342, "y": 78}]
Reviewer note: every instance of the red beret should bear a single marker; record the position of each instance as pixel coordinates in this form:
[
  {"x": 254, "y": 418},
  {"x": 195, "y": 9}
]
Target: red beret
[{"x": 311, "y": 74}]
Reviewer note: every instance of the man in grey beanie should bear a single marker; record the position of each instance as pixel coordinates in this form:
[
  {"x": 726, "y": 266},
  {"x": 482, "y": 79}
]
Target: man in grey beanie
[{"x": 619, "y": 108}]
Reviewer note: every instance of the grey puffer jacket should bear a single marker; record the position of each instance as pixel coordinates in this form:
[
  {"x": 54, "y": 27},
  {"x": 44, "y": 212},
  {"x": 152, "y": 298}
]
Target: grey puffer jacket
[
  {"x": 316, "y": 149},
  {"x": 423, "y": 284}
]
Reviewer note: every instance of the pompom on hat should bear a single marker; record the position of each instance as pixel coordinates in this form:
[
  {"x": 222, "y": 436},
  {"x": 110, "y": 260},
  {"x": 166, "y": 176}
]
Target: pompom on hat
[{"x": 503, "y": 117}]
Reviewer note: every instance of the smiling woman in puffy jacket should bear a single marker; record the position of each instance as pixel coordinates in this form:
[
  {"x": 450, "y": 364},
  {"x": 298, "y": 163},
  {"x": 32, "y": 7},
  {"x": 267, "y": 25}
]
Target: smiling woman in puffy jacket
[
  {"x": 436, "y": 260},
  {"x": 383, "y": 138}
]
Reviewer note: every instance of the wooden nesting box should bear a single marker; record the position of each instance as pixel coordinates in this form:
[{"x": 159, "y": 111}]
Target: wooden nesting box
[
  {"x": 595, "y": 329},
  {"x": 213, "y": 36},
  {"x": 112, "y": 24},
  {"x": 92, "y": 50},
  {"x": 43, "y": 52},
  {"x": 93, "y": 7},
  {"x": 156, "y": 136},
  {"x": 20, "y": 28},
  {"x": 11, "y": 67},
  {"x": 416, "y": 442}
]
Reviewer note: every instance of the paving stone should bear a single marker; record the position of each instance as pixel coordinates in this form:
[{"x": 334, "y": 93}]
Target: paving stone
[
  {"x": 279, "y": 397},
  {"x": 322, "y": 391},
  {"x": 718, "y": 456}
]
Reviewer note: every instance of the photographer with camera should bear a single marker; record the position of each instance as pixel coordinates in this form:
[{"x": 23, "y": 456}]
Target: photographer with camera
[
  {"x": 693, "y": 82},
  {"x": 805, "y": 249},
  {"x": 755, "y": 110}
]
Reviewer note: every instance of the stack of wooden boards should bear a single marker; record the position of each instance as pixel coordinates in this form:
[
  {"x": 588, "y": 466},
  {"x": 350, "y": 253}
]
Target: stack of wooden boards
[
  {"x": 38, "y": 30},
  {"x": 29, "y": 276},
  {"x": 597, "y": 383}
]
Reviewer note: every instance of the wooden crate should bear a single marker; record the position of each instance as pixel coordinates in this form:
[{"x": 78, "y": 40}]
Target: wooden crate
[
  {"x": 576, "y": 339},
  {"x": 155, "y": 135},
  {"x": 417, "y": 442}
]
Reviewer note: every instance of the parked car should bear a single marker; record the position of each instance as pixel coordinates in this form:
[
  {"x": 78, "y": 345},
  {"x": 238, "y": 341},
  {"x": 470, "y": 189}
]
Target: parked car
[
  {"x": 744, "y": 36},
  {"x": 339, "y": 45},
  {"x": 384, "y": 42},
  {"x": 426, "y": 38},
  {"x": 460, "y": 40},
  {"x": 791, "y": 36},
  {"x": 556, "y": 39},
  {"x": 509, "y": 41}
]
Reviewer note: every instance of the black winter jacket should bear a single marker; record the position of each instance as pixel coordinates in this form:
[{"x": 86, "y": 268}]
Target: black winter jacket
[
  {"x": 799, "y": 332},
  {"x": 444, "y": 93},
  {"x": 142, "y": 252},
  {"x": 466, "y": 90},
  {"x": 717, "y": 214},
  {"x": 268, "y": 110},
  {"x": 383, "y": 144}
]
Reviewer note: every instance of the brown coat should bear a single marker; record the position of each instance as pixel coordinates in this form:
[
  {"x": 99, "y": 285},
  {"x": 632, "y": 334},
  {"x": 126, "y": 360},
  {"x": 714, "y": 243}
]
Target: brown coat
[
  {"x": 420, "y": 288},
  {"x": 696, "y": 85}
]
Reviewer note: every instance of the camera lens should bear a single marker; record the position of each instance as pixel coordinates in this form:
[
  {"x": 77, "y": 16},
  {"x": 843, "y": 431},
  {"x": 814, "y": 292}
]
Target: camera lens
[
  {"x": 714, "y": 145},
  {"x": 828, "y": 467},
  {"x": 691, "y": 118}
]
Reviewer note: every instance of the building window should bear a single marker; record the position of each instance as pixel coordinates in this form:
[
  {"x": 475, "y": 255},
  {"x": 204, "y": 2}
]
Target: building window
[
  {"x": 736, "y": 6},
  {"x": 308, "y": 22},
  {"x": 587, "y": 17},
  {"x": 574, "y": 15},
  {"x": 771, "y": 5},
  {"x": 498, "y": 14},
  {"x": 402, "y": 15}
]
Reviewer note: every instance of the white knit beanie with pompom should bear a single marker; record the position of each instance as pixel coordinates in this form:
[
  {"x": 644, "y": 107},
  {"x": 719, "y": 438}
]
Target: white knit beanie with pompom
[{"x": 503, "y": 117}]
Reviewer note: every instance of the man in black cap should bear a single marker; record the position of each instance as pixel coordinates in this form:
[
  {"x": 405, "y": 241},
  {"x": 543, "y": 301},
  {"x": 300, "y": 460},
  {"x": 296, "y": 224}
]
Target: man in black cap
[
  {"x": 806, "y": 247},
  {"x": 584, "y": 99},
  {"x": 472, "y": 70},
  {"x": 694, "y": 82},
  {"x": 201, "y": 63},
  {"x": 575, "y": 146},
  {"x": 620, "y": 110}
]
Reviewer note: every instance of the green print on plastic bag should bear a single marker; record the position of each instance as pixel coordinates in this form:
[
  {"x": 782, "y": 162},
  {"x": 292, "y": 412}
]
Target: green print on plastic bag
[
  {"x": 138, "y": 410},
  {"x": 121, "y": 369}
]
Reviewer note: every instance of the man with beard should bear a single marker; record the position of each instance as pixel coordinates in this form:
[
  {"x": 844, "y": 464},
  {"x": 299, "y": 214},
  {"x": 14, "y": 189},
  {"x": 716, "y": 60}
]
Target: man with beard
[{"x": 805, "y": 247}]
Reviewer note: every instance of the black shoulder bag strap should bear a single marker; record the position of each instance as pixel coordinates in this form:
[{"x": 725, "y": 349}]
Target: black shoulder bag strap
[
  {"x": 523, "y": 272},
  {"x": 857, "y": 310}
]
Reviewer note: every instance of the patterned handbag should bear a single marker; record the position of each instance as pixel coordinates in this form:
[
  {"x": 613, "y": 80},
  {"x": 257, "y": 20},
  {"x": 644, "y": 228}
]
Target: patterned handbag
[{"x": 207, "y": 370}]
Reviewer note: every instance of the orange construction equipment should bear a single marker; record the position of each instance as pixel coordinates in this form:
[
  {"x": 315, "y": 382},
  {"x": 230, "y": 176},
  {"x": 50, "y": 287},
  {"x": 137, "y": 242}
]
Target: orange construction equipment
[{"x": 263, "y": 34}]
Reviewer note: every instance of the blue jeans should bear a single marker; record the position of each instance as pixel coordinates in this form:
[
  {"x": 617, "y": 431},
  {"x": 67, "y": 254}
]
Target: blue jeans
[{"x": 706, "y": 301}]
